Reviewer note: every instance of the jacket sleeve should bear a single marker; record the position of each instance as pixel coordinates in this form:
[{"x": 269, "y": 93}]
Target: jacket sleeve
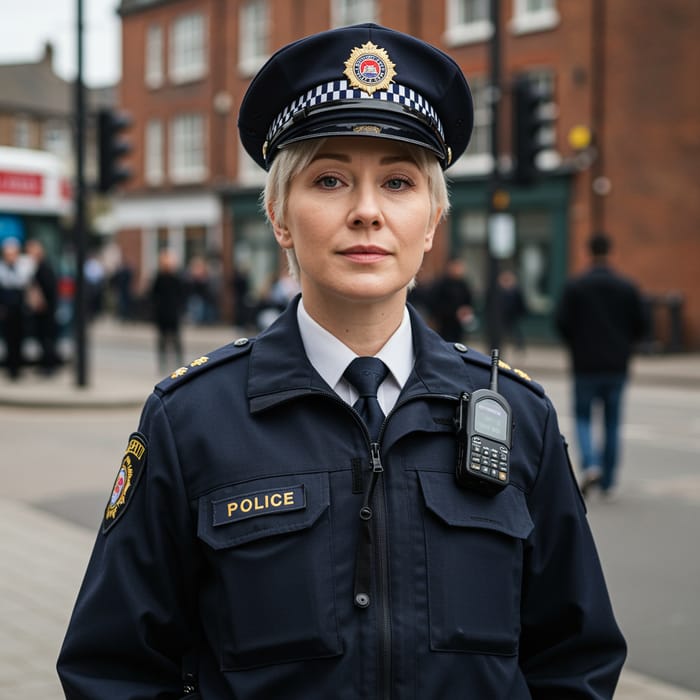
[
  {"x": 571, "y": 646},
  {"x": 132, "y": 621}
]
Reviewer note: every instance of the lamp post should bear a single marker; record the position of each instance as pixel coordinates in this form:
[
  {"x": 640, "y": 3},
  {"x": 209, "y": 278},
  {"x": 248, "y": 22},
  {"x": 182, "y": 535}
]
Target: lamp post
[{"x": 79, "y": 223}]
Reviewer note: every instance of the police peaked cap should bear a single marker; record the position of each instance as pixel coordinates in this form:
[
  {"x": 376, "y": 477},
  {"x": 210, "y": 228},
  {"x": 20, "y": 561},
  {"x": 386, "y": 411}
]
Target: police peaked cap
[{"x": 362, "y": 80}]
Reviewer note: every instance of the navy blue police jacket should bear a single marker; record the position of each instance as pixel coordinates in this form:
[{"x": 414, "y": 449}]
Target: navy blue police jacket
[{"x": 228, "y": 549}]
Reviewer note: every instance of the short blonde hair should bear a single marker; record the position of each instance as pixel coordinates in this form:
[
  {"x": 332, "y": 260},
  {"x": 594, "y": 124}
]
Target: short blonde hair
[{"x": 292, "y": 159}]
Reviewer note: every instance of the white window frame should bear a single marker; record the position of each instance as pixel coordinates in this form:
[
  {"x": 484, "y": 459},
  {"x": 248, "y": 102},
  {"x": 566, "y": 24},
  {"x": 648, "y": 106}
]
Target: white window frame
[
  {"x": 154, "y": 172},
  {"x": 479, "y": 162},
  {"x": 253, "y": 36},
  {"x": 188, "y": 148},
  {"x": 527, "y": 19},
  {"x": 188, "y": 48},
  {"x": 345, "y": 12},
  {"x": 22, "y": 132},
  {"x": 56, "y": 138},
  {"x": 154, "y": 74},
  {"x": 460, "y": 31},
  {"x": 249, "y": 172}
]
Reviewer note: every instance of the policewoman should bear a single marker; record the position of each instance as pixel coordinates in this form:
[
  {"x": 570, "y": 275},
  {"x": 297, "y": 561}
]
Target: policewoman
[{"x": 287, "y": 521}]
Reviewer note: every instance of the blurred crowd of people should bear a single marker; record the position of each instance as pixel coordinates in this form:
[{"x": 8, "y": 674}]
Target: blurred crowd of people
[
  {"x": 28, "y": 303},
  {"x": 450, "y": 304}
]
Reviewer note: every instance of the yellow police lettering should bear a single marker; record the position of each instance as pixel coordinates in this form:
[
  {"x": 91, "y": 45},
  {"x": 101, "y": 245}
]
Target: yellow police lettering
[
  {"x": 289, "y": 498},
  {"x": 136, "y": 448},
  {"x": 246, "y": 505},
  {"x": 232, "y": 508},
  {"x": 276, "y": 500}
]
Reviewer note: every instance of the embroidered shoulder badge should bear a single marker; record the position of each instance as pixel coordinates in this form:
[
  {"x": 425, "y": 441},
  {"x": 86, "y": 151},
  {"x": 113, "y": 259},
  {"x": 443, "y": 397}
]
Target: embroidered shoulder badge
[{"x": 127, "y": 478}]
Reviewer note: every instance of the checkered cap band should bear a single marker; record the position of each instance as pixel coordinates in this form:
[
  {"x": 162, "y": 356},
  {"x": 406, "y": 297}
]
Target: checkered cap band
[{"x": 338, "y": 90}]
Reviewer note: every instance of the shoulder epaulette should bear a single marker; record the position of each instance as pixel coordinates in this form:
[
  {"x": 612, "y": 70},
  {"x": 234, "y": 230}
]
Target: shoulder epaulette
[
  {"x": 202, "y": 364},
  {"x": 478, "y": 358}
]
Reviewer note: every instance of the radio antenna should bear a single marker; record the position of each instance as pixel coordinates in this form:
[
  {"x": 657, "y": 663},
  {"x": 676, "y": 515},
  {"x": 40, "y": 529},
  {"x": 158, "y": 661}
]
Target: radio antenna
[{"x": 494, "y": 370}]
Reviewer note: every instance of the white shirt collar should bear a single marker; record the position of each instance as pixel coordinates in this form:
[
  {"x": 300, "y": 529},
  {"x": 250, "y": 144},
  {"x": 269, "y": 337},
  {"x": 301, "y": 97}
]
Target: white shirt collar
[{"x": 330, "y": 357}]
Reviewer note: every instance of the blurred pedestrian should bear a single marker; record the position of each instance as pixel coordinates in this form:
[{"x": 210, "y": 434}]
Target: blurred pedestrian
[
  {"x": 16, "y": 273},
  {"x": 43, "y": 302},
  {"x": 122, "y": 281},
  {"x": 94, "y": 273},
  {"x": 512, "y": 308},
  {"x": 452, "y": 302},
  {"x": 286, "y": 522},
  {"x": 600, "y": 317},
  {"x": 167, "y": 297},
  {"x": 201, "y": 303}
]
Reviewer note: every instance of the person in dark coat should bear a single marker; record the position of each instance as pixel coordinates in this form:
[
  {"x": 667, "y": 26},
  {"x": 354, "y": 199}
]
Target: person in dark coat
[
  {"x": 452, "y": 301},
  {"x": 286, "y": 521},
  {"x": 168, "y": 297},
  {"x": 16, "y": 272},
  {"x": 512, "y": 307},
  {"x": 44, "y": 310},
  {"x": 600, "y": 317}
]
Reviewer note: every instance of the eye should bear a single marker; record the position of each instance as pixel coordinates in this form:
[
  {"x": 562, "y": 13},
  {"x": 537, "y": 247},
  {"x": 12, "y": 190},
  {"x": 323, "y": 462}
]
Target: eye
[
  {"x": 328, "y": 182},
  {"x": 397, "y": 183}
]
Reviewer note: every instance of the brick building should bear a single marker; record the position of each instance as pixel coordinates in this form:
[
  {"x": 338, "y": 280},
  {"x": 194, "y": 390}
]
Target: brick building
[{"x": 618, "y": 68}]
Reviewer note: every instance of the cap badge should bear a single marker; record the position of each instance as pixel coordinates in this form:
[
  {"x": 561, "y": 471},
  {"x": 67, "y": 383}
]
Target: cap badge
[{"x": 369, "y": 68}]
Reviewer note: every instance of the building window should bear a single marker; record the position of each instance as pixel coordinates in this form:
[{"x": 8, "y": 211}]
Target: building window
[
  {"x": 187, "y": 148},
  {"x": 56, "y": 138},
  {"x": 478, "y": 159},
  {"x": 22, "y": 133},
  {"x": 188, "y": 54},
  {"x": 154, "y": 152},
  {"x": 534, "y": 16},
  {"x": 249, "y": 172},
  {"x": 468, "y": 21},
  {"x": 154, "y": 56},
  {"x": 253, "y": 38},
  {"x": 344, "y": 12}
]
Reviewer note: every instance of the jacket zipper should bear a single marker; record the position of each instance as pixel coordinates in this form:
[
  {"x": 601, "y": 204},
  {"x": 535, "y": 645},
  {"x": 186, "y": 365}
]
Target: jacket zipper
[{"x": 378, "y": 518}]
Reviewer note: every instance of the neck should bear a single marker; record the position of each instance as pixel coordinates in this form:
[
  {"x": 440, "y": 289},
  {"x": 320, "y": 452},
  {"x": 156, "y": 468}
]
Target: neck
[{"x": 364, "y": 327}]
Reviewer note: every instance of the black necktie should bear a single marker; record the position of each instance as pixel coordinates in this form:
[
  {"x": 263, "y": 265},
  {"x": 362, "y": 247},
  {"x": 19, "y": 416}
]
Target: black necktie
[{"x": 366, "y": 374}]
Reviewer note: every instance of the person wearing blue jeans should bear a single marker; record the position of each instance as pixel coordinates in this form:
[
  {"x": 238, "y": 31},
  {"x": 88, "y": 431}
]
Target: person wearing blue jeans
[
  {"x": 600, "y": 317},
  {"x": 590, "y": 390}
]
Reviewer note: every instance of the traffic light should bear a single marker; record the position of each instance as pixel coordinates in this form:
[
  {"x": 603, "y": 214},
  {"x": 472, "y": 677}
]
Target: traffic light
[
  {"x": 112, "y": 148},
  {"x": 532, "y": 114}
]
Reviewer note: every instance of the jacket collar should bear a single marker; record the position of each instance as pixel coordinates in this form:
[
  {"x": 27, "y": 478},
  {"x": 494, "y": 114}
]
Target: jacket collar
[{"x": 280, "y": 370}]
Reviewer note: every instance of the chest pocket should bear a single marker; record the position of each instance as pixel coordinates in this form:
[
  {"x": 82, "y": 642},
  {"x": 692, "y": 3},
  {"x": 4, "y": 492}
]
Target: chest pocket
[
  {"x": 269, "y": 546},
  {"x": 474, "y": 551}
]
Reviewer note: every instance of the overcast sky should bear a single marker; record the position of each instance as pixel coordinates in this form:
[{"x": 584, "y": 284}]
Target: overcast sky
[{"x": 26, "y": 25}]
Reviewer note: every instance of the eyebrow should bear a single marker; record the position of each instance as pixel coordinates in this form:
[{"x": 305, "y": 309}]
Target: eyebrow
[{"x": 344, "y": 158}]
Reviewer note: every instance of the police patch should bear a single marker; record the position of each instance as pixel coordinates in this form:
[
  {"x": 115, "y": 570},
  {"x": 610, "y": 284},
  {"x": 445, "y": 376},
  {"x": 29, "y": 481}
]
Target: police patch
[
  {"x": 369, "y": 68},
  {"x": 251, "y": 505},
  {"x": 127, "y": 478}
]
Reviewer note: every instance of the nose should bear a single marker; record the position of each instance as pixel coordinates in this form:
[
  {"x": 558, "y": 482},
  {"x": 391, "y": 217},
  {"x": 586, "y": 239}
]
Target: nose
[{"x": 366, "y": 210}]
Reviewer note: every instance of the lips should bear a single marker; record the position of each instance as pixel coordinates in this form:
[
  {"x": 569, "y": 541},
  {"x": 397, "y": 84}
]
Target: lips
[{"x": 364, "y": 253}]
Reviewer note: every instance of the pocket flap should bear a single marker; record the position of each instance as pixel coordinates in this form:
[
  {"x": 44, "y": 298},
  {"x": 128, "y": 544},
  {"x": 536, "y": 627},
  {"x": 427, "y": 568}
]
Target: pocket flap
[
  {"x": 240, "y": 513},
  {"x": 459, "y": 507}
]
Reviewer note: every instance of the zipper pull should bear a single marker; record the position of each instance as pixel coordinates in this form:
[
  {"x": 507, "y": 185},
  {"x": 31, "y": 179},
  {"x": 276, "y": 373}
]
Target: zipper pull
[{"x": 375, "y": 457}]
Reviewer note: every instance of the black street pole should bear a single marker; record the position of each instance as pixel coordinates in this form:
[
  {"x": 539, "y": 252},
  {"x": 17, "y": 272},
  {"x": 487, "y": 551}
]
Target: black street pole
[
  {"x": 493, "y": 324},
  {"x": 79, "y": 232}
]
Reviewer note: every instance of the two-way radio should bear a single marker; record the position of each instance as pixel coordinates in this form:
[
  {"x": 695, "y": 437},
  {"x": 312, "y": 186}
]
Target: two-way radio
[{"x": 484, "y": 436}]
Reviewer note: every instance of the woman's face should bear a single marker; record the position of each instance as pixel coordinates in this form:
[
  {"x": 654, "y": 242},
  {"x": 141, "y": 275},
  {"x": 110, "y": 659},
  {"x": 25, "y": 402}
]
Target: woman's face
[{"x": 359, "y": 220}]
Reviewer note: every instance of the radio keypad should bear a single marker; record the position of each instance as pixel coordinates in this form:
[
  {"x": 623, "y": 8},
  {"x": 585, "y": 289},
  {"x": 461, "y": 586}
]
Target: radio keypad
[{"x": 489, "y": 458}]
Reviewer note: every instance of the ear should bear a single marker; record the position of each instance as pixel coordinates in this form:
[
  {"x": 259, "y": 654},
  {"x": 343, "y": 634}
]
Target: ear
[
  {"x": 282, "y": 235},
  {"x": 430, "y": 232}
]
